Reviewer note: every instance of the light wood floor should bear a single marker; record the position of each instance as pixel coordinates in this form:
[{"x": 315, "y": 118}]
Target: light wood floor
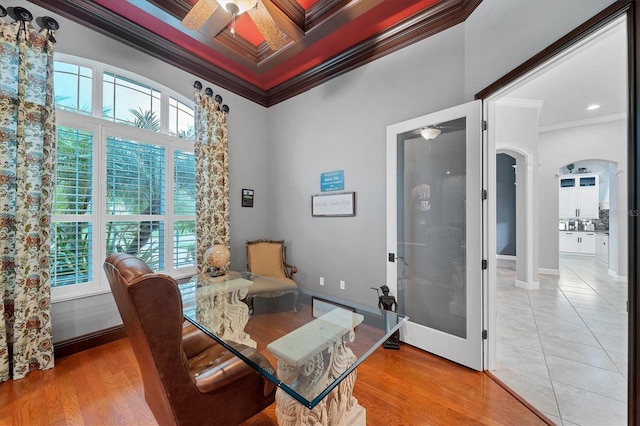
[{"x": 102, "y": 386}]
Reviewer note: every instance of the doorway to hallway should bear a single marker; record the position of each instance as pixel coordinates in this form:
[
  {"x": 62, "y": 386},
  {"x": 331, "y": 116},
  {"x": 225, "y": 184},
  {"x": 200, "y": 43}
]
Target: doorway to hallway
[
  {"x": 561, "y": 320},
  {"x": 563, "y": 348}
]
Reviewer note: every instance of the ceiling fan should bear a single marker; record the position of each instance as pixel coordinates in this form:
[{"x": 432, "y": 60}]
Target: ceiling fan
[
  {"x": 210, "y": 17},
  {"x": 434, "y": 130}
]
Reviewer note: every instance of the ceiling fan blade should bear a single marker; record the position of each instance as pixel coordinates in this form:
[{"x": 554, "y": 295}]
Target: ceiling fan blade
[
  {"x": 283, "y": 21},
  {"x": 207, "y": 17},
  {"x": 273, "y": 35},
  {"x": 216, "y": 23},
  {"x": 199, "y": 14}
]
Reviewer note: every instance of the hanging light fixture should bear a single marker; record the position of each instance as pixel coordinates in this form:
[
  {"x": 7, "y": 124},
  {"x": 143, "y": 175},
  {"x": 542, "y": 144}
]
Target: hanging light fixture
[
  {"x": 235, "y": 8},
  {"x": 430, "y": 133}
]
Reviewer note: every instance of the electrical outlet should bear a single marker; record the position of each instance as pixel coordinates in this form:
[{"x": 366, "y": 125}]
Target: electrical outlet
[
  {"x": 342, "y": 285},
  {"x": 321, "y": 281}
]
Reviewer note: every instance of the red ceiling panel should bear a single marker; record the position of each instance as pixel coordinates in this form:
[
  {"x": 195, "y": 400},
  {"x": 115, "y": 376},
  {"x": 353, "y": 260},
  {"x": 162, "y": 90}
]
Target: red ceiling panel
[{"x": 324, "y": 37}]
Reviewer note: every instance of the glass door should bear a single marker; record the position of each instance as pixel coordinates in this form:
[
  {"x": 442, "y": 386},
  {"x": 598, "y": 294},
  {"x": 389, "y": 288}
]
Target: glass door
[{"x": 434, "y": 230}]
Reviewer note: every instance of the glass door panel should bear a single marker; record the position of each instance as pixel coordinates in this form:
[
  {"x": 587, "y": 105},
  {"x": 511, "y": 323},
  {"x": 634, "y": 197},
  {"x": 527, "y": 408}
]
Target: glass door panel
[{"x": 435, "y": 176}]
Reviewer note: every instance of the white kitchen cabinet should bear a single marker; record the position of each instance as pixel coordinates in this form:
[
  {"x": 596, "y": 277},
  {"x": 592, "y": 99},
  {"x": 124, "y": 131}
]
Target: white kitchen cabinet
[
  {"x": 587, "y": 243},
  {"x": 579, "y": 196},
  {"x": 602, "y": 247},
  {"x": 568, "y": 242},
  {"x": 577, "y": 242}
]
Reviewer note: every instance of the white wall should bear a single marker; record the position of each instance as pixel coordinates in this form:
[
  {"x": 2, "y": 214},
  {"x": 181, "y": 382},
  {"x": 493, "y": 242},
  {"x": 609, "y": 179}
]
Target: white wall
[
  {"x": 516, "y": 130},
  {"x": 604, "y": 141},
  {"x": 502, "y": 34}
]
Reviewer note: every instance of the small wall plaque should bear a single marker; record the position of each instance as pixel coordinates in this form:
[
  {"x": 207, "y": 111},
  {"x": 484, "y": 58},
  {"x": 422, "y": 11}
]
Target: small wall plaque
[
  {"x": 247, "y": 198},
  {"x": 332, "y": 181}
]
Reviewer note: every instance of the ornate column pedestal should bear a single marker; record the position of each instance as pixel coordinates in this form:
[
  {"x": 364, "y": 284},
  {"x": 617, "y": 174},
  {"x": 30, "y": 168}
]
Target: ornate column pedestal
[
  {"x": 309, "y": 360},
  {"x": 222, "y": 310}
]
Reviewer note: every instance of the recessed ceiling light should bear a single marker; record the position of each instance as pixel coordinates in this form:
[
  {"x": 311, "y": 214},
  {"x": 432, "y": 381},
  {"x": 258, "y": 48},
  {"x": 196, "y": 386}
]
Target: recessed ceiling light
[{"x": 592, "y": 107}]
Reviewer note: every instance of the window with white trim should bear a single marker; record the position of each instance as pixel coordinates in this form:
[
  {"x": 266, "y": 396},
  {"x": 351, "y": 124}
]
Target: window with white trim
[{"x": 123, "y": 182}]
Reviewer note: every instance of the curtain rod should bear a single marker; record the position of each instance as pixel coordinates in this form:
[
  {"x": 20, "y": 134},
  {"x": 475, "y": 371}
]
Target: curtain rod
[
  {"x": 209, "y": 92},
  {"x": 21, "y": 14}
]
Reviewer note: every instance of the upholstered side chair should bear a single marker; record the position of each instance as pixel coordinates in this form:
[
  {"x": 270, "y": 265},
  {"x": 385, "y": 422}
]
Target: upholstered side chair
[
  {"x": 188, "y": 378},
  {"x": 268, "y": 258}
]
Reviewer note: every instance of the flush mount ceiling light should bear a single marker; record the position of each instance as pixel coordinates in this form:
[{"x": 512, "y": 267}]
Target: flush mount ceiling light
[
  {"x": 430, "y": 133},
  {"x": 593, "y": 107},
  {"x": 237, "y": 6}
]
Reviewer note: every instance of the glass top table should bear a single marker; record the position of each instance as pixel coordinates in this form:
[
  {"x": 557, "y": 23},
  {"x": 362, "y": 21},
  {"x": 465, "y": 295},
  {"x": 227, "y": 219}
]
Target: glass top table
[{"x": 315, "y": 349}]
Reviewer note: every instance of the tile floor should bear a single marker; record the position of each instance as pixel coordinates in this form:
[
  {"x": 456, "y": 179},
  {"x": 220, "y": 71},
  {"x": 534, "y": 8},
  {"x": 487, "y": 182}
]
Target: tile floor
[{"x": 563, "y": 347}]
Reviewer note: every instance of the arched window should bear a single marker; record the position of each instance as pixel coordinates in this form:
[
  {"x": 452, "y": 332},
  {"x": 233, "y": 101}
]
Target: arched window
[{"x": 125, "y": 177}]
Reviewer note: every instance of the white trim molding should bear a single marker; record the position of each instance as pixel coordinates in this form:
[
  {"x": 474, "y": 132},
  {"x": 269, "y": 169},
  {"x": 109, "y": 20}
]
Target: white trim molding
[
  {"x": 533, "y": 285},
  {"x": 505, "y": 257},
  {"x": 616, "y": 277}
]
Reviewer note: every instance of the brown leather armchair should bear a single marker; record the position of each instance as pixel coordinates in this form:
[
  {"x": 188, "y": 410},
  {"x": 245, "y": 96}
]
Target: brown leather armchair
[{"x": 189, "y": 379}]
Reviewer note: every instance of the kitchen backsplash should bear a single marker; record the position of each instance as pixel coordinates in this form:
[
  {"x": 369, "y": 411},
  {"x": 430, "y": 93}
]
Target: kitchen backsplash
[{"x": 603, "y": 223}]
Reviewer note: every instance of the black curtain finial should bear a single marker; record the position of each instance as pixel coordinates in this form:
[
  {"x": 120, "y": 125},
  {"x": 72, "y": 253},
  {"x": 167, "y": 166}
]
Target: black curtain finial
[
  {"x": 20, "y": 14},
  {"x": 23, "y": 15},
  {"x": 209, "y": 92},
  {"x": 47, "y": 22}
]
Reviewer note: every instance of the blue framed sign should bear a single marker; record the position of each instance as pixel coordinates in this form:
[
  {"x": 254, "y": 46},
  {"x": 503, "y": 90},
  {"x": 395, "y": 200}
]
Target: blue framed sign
[{"x": 332, "y": 181}]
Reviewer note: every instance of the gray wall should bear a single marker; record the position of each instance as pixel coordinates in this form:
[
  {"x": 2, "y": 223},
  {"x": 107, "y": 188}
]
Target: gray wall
[
  {"x": 505, "y": 205},
  {"x": 281, "y": 151},
  {"x": 342, "y": 125}
]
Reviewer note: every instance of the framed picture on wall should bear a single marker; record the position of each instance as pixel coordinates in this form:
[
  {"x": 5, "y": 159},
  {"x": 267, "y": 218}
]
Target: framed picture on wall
[
  {"x": 342, "y": 204},
  {"x": 247, "y": 198}
]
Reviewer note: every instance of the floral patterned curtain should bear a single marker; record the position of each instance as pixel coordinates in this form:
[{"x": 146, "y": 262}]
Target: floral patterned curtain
[
  {"x": 27, "y": 161},
  {"x": 212, "y": 174}
]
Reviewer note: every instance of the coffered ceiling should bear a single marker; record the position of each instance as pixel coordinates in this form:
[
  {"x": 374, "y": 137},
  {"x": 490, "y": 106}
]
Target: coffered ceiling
[{"x": 275, "y": 50}]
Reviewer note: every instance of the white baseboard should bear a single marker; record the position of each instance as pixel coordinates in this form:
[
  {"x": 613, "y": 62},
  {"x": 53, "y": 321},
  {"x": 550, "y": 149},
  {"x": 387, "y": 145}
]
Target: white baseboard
[
  {"x": 528, "y": 286},
  {"x": 546, "y": 271},
  {"x": 616, "y": 277},
  {"x": 505, "y": 257}
]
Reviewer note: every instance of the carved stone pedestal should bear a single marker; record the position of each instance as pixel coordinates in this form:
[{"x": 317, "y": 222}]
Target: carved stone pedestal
[
  {"x": 221, "y": 308},
  {"x": 339, "y": 407},
  {"x": 309, "y": 360}
]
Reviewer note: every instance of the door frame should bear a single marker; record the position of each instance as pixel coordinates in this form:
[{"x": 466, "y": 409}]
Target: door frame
[
  {"x": 632, "y": 12},
  {"x": 468, "y": 350}
]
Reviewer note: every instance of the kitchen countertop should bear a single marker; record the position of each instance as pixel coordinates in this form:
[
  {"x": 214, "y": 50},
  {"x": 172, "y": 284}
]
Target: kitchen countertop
[{"x": 605, "y": 232}]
